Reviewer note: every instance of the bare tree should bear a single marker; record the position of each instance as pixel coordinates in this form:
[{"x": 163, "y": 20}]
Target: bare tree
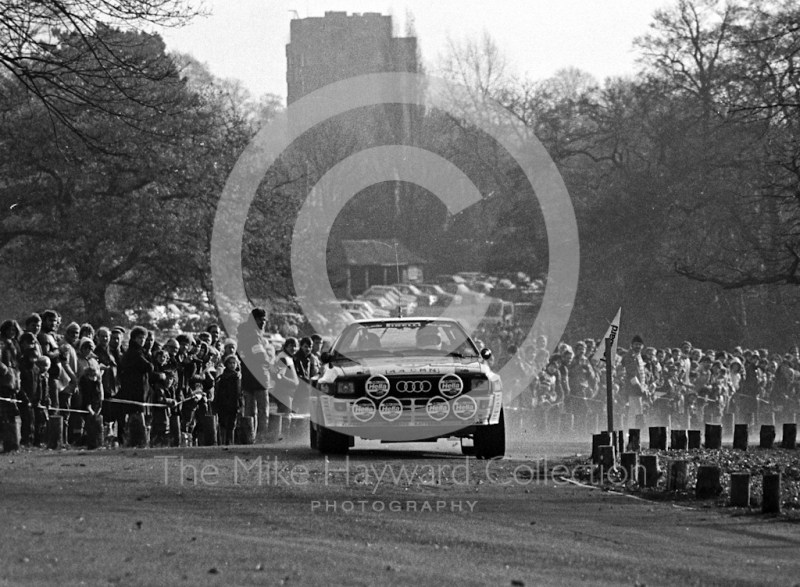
[{"x": 62, "y": 53}]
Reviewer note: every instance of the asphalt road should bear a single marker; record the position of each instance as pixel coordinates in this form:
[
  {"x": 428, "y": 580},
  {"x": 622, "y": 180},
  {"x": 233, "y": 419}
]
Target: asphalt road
[{"x": 416, "y": 515}]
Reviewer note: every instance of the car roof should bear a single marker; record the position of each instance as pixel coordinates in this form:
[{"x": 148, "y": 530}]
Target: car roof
[{"x": 409, "y": 319}]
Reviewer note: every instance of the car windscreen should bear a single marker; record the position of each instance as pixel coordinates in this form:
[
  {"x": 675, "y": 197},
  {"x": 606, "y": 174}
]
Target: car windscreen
[{"x": 406, "y": 338}]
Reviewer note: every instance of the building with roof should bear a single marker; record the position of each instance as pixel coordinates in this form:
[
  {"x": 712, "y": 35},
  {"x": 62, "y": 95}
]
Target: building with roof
[{"x": 359, "y": 264}]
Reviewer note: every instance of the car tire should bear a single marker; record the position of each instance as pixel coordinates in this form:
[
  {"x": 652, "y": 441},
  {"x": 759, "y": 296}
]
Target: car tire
[
  {"x": 490, "y": 441},
  {"x": 313, "y": 435},
  {"x": 329, "y": 441}
]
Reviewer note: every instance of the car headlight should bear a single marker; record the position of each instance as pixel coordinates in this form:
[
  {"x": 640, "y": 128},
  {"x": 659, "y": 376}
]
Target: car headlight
[
  {"x": 345, "y": 388},
  {"x": 481, "y": 385}
]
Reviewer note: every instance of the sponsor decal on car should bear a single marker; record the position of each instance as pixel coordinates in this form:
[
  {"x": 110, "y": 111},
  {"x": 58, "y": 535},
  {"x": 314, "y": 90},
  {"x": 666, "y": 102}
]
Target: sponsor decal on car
[
  {"x": 390, "y": 409},
  {"x": 364, "y": 409},
  {"x": 438, "y": 408},
  {"x": 450, "y": 385},
  {"x": 377, "y": 386},
  {"x": 465, "y": 408}
]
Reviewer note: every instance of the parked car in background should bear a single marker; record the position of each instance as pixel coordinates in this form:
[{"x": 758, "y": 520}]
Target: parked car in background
[
  {"x": 406, "y": 302},
  {"x": 366, "y": 307},
  {"x": 423, "y": 298},
  {"x": 359, "y": 315},
  {"x": 381, "y": 302},
  {"x": 442, "y": 279},
  {"x": 443, "y": 298},
  {"x": 499, "y": 312},
  {"x": 469, "y": 296}
]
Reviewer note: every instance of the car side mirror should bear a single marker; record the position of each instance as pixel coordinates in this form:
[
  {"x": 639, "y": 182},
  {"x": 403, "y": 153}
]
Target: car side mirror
[
  {"x": 486, "y": 354},
  {"x": 325, "y": 357}
]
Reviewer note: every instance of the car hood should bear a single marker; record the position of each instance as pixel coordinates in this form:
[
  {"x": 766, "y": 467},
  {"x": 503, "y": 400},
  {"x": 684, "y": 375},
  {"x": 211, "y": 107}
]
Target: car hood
[{"x": 407, "y": 366}]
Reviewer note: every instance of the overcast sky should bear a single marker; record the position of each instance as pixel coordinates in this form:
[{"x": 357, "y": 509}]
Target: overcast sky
[{"x": 246, "y": 39}]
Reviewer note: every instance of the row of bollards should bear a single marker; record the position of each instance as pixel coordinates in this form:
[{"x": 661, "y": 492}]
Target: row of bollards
[
  {"x": 645, "y": 471},
  {"x": 138, "y": 432},
  {"x": 691, "y": 440}
]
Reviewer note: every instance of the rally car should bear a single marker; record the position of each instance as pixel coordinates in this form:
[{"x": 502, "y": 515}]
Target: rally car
[{"x": 407, "y": 380}]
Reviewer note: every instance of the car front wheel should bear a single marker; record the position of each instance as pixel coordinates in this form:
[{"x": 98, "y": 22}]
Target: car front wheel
[{"x": 490, "y": 441}]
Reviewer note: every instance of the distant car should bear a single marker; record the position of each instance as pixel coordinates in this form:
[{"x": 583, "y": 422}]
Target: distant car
[
  {"x": 470, "y": 277},
  {"x": 469, "y": 296},
  {"x": 364, "y": 306},
  {"x": 423, "y": 298},
  {"x": 443, "y": 298},
  {"x": 407, "y": 379},
  {"x": 359, "y": 314},
  {"x": 381, "y": 302},
  {"x": 442, "y": 279},
  {"x": 408, "y": 303}
]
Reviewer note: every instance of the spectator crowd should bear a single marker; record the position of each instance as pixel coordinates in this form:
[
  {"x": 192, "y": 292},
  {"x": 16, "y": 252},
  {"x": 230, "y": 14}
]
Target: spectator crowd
[
  {"x": 100, "y": 377},
  {"x": 685, "y": 385}
]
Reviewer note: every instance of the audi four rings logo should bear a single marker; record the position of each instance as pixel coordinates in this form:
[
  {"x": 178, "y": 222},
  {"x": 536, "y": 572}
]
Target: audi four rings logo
[{"x": 413, "y": 386}]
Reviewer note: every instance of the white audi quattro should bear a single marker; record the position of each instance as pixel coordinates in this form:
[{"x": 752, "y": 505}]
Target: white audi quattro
[{"x": 407, "y": 380}]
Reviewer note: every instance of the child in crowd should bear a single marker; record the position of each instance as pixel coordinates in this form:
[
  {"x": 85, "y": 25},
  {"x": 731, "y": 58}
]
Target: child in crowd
[{"x": 228, "y": 399}]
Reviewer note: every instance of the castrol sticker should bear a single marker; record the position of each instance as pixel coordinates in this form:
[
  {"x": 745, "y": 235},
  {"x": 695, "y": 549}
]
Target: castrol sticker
[
  {"x": 377, "y": 386},
  {"x": 437, "y": 408},
  {"x": 390, "y": 409},
  {"x": 465, "y": 408},
  {"x": 450, "y": 385},
  {"x": 363, "y": 409}
]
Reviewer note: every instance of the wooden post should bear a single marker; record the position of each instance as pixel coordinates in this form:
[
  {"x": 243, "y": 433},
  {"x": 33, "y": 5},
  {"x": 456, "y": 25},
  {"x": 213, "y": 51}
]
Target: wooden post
[
  {"x": 677, "y": 475},
  {"x": 175, "y": 429},
  {"x": 708, "y": 482},
  {"x": 658, "y": 438},
  {"x": 771, "y": 502},
  {"x": 789, "y": 439},
  {"x": 607, "y": 460},
  {"x": 728, "y": 422},
  {"x": 628, "y": 463},
  {"x": 210, "y": 430},
  {"x": 609, "y": 384},
  {"x": 12, "y": 434},
  {"x": 620, "y": 445},
  {"x": 55, "y": 432},
  {"x": 678, "y": 440},
  {"x": 766, "y": 436},
  {"x": 245, "y": 429},
  {"x": 713, "y": 436},
  {"x": 648, "y": 470},
  {"x": 599, "y": 440},
  {"x": 634, "y": 439},
  {"x": 94, "y": 432},
  {"x": 137, "y": 430},
  {"x": 693, "y": 440},
  {"x": 274, "y": 428},
  {"x": 740, "y": 437},
  {"x": 740, "y": 490}
]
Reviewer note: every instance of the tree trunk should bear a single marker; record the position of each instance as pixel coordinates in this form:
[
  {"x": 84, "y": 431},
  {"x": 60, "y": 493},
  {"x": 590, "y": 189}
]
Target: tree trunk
[{"x": 94, "y": 303}]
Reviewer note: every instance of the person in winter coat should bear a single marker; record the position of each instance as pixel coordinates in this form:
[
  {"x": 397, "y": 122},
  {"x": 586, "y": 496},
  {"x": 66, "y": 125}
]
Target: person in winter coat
[
  {"x": 228, "y": 400},
  {"x": 164, "y": 385},
  {"x": 134, "y": 370}
]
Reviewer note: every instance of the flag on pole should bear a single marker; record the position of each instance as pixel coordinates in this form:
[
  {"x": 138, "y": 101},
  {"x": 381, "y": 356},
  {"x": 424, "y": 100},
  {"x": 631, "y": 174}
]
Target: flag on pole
[{"x": 613, "y": 334}]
